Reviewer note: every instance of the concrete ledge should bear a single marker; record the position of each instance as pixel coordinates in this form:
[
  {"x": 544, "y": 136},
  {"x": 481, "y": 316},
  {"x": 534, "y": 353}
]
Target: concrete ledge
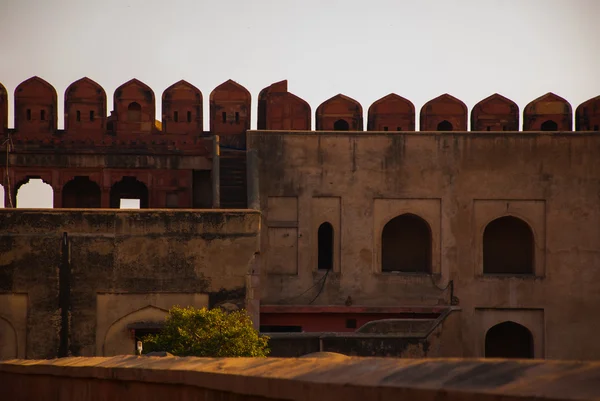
[{"x": 310, "y": 378}]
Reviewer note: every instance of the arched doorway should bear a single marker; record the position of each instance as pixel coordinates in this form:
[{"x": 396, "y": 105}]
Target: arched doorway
[
  {"x": 549, "y": 125},
  {"x": 406, "y": 245},
  {"x": 325, "y": 244},
  {"x": 341, "y": 125},
  {"x": 509, "y": 340},
  {"x": 444, "y": 126},
  {"x": 129, "y": 188},
  {"x": 81, "y": 192},
  {"x": 36, "y": 194},
  {"x": 508, "y": 247}
]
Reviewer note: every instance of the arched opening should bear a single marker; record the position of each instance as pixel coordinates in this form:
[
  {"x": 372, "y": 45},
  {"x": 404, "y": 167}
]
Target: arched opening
[
  {"x": 444, "y": 126},
  {"x": 129, "y": 193},
  {"x": 36, "y": 194},
  {"x": 549, "y": 125},
  {"x": 341, "y": 125},
  {"x": 134, "y": 112},
  {"x": 509, "y": 340},
  {"x": 325, "y": 240},
  {"x": 81, "y": 192},
  {"x": 406, "y": 245},
  {"x": 508, "y": 246}
]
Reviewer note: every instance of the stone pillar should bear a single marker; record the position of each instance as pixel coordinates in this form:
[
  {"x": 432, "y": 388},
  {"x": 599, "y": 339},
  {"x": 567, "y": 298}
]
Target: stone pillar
[
  {"x": 253, "y": 290},
  {"x": 252, "y": 178},
  {"x": 216, "y": 173}
]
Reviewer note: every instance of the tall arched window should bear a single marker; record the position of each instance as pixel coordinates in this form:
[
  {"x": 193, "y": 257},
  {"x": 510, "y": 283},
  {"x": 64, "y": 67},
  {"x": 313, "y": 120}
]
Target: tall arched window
[
  {"x": 549, "y": 125},
  {"x": 35, "y": 193},
  {"x": 341, "y": 125},
  {"x": 325, "y": 240},
  {"x": 81, "y": 192},
  {"x": 129, "y": 189},
  {"x": 445, "y": 126},
  {"x": 509, "y": 340},
  {"x": 134, "y": 112},
  {"x": 406, "y": 245},
  {"x": 508, "y": 247}
]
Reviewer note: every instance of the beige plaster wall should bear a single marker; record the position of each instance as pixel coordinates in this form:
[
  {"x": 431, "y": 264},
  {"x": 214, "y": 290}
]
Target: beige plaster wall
[
  {"x": 551, "y": 181},
  {"x": 13, "y": 325}
]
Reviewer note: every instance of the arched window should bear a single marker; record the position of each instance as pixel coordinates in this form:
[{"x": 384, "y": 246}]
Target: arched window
[
  {"x": 129, "y": 193},
  {"x": 508, "y": 340},
  {"x": 549, "y": 125},
  {"x": 134, "y": 112},
  {"x": 508, "y": 247},
  {"x": 341, "y": 125},
  {"x": 406, "y": 245},
  {"x": 445, "y": 126},
  {"x": 35, "y": 193},
  {"x": 81, "y": 192},
  {"x": 325, "y": 240}
]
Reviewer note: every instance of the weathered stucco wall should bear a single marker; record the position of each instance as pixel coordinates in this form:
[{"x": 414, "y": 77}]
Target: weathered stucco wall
[
  {"x": 457, "y": 183},
  {"x": 65, "y": 261}
]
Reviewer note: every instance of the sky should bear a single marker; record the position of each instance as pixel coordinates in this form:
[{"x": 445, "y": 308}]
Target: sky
[{"x": 418, "y": 49}]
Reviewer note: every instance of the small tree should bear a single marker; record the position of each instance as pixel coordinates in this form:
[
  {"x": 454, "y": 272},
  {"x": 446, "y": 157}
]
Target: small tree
[{"x": 209, "y": 333}]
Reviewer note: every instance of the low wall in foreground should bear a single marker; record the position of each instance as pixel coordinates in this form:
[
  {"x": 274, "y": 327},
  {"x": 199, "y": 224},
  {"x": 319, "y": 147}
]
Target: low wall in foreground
[{"x": 316, "y": 377}]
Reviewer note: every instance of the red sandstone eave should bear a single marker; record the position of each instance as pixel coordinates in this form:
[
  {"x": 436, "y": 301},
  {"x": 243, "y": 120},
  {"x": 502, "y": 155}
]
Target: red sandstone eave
[{"x": 350, "y": 309}]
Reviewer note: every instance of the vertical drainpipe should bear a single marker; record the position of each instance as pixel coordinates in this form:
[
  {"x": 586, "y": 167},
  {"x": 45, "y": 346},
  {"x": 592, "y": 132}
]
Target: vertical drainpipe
[{"x": 216, "y": 173}]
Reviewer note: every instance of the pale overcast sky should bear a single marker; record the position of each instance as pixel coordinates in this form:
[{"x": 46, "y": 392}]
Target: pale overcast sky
[{"x": 418, "y": 49}]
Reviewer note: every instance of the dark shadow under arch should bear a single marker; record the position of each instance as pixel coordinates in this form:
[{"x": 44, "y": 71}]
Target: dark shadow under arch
[
  {"x": 81, "y": 192},
  {"x": 341, "y": 125},
  {"x": 128, "y": 188},
  {"x": 406, "y": 245},
  {"x": 549, "y": 125},
  {"x": 445, "y": 126},
  {"x": 509, "y": 340},
  {"x": 508, "y": 247},
  {"x": 325, "y": 246}
]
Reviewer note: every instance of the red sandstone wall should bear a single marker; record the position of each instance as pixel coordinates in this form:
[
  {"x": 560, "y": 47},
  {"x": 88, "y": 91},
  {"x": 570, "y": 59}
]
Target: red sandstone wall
[
  {"x": 548, "y": 107},
  {"x": 392, "y": 113},
  {"x": 444, "y": 108},
  {"x": 279, "y": 109},
  {"x": 339, "y": 107},
  {"x": 588, "y": 115},
  {"x": 182, "y": 109},
  {"x": 495, "y": 113},
  {"x": 85, "y": 109},
  {"x": 35, "y": 108}
]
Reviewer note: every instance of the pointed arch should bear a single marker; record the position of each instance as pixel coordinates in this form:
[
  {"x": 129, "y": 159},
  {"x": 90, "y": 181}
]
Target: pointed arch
[
  {"x": 34, "y": 193},
  {"x": 548, "y": 107},
  {"x": 339, "y": 107},
  {"x": 230, "y": 113},
  {"x": 509, "y": 340},
  {"x": 443, "y": 108},
  {"x": 279, "y": 109},
  {"x": 182, "y": 110},
  {"x": 35, "y": 107},
  {"x": 406, "y": 245},
  {"x": 81, "y": 192},
  {"x": 587, "y": 115},
  {"x": 508, "y": 247},
  {"x": 391, "y": 113},
  {"x": 495, "y": 113},
  {"x": 85, "y": 105},
  {"x": 134, "y": 91},
  {"x": 3, "y": 109}
]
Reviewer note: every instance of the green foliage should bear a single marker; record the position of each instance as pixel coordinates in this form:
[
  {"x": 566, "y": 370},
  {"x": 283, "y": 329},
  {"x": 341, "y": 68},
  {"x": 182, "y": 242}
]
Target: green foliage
[{"x": 209, "y": 333}]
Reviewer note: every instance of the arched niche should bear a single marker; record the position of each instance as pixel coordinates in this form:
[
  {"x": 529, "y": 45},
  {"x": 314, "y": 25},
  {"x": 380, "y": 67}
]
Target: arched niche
[
  {"x": 8, "y": 340},
  {"x": 444, "y": 108},
  {"x": 230, "y": 106},
  {"x": 509, "y": 340},
  {"x": 587, "y": 115},
  {"x": 279, "y": 109},
  {"x": 406, "y": 245},
  {"x": 495, "y": 113},
  {"x": 85, "y": 106},
  {"x": 182, "y": 109},
  {"x": 339, "y": 107},
  {"x": 548, "y": 111},
  {"x": 34, "y": 193},
  {"x": 129, "y": 188},
  {"x": 391, "y": 113},
  {"x": 35, "y": 107},
  {"x": 81, "y": 192},
  {"x": 119, "y": 339},
  {"x": 325, "y": 243},
  {"x": 134, "y": 94},
  {"x": 508, "y": 247}
]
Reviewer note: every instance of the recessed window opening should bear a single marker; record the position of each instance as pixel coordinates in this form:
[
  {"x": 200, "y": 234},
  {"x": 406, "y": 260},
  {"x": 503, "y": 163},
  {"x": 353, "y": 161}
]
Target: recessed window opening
[
  {"x": 504, "y": 128},
  {"x": 280, "y": 329},
  {"x": 134, "y": 112},
  {"x": 341, "y": 125},
  {"x": 509, "y": 340},
  {"x": 78, "y": 116},
  {"x": 35, "y": 193},
  {"x": 351, "y": 323},
  {"x": 237, "y": 117},
  {"x": 445, "y": 126},
  {"x": 406, "y": 245},
  {"x": 549, "y": 125},
  {"x": 489, "y": 128},
  {"x": 129, "y": 203},
  {"x": 175, "y": 116},
  {"x": 189, "y": 116},
  {"x": 398, "y": 128},
  {"x": 385, "y": 128},
  {"x": 81, "y": 192},
  {"x": 43, "y": 115},
  {"x": 508, "y": 247},
  {"x": 224, "y": 115},
  {"x": 325, "y": 246},
  {"x": 91, "y": 115},
  {"x": 28, "y": 114},
  {"x": 596, "y": 127}
]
